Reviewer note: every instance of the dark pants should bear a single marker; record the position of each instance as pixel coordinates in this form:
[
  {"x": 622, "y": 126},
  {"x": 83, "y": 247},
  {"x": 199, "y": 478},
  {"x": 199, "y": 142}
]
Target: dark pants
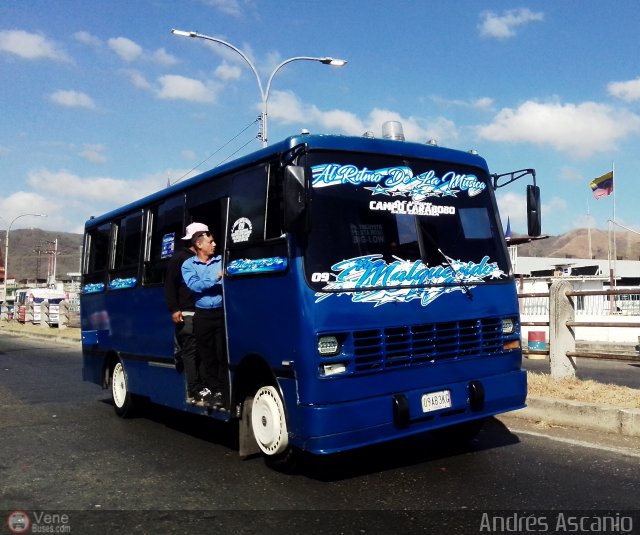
[
  {"x": 186, "y": 352},
  {"x": 209, "y": 329}
]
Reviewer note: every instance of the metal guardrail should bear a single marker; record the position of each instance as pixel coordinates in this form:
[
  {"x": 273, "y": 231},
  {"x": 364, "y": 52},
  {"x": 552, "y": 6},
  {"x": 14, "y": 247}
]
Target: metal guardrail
[{"x": 571, "y": 323}]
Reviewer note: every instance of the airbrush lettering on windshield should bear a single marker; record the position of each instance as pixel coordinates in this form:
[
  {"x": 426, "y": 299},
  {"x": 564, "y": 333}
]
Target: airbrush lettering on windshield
[{"x": 370, "y": 278}]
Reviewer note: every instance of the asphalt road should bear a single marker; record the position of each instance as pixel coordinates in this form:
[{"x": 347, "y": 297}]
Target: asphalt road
[{"x": 63, "y": 450}]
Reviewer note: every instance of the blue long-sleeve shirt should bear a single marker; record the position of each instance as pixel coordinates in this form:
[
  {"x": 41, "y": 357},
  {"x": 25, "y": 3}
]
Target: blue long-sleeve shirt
[{"x": 202, "y": 279}]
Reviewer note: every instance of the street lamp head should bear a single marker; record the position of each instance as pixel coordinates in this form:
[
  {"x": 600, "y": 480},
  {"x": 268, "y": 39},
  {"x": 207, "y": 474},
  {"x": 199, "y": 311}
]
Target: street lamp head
[
  {"x": 182, "y": 33},
  {"x": 334, "y": 62}
]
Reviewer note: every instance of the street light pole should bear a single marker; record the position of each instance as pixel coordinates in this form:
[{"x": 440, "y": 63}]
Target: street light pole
[
  {"x": 6, "y": 249},
  {"x": 264, "y": 95}
]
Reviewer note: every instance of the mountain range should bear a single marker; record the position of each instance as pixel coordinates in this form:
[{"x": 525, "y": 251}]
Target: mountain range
[
  {"x": 31, "y": 253},
  {"x": 31, "y": 250},
  {"x": 575, "y": 244}
]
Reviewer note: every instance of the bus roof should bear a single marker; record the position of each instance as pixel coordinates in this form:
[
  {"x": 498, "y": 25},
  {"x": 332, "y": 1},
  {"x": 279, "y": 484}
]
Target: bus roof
[{"x": 323, "y": 142}]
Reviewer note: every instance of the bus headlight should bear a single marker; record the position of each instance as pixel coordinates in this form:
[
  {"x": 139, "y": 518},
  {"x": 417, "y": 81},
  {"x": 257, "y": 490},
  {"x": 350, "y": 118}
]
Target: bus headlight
[
  {"x": 508, "y": 326},
  {"x": 328, "y": 346}
]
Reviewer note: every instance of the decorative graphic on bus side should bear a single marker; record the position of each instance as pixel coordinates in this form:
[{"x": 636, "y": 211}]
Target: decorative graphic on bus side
[
  {"x": 258, "y": 265},
  {"x": 92, "y": 288},
  {"x": 401, "y": 277},
  {"x": 397, "y": 181},
  {"x": 241, "y": 230},
  {"x": 120, "y": 284},
  {"x": 168, "y": 245}
]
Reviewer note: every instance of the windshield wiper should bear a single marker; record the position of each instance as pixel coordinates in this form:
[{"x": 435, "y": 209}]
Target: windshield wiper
[{"x": 424, "y": 233}]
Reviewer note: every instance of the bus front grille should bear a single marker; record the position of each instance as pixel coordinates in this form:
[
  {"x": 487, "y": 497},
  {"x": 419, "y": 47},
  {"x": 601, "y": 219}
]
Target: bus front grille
[{"x": 375, "y": 349}]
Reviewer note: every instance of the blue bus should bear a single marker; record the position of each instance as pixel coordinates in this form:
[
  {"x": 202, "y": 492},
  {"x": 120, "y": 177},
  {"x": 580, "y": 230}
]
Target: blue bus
[{"x": 368, "y": 294}]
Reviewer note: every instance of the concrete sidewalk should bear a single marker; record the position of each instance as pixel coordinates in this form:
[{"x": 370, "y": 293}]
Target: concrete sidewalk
[
  {"x": 553, "y": 411},
  {"x": 30, "y": 330}
]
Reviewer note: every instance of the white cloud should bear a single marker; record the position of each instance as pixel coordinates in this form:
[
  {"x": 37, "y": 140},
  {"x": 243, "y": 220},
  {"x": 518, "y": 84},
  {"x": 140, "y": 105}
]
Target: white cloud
[
  {"x": 569, "y": 174},
  {"x": 188, "y": 154},
  {"x": 127, "y": 49},
  {"x": 481, "y": 103},
  {"x": 30, "y": 46},
  {"x": 24, "y": 202},
  {"x": 228, "y": 7},
  {"x": 628, "y": 91},
  {"x": 175, "y": 87},
  {"x": 69, "y": 199},
  {"x": 96, "y": 193},
  {"x": 512, "y": 206},
  {"x": 130, "y": 51},
  {"x": 162, "y": 57},
  {"x": 287, "y": 108},
  {"x": 87, "y": 39},
  {"x": 72, "y": 99},
  {"x": 4, "y": 150},
  {"x": 553, "y": 206},
  {"x": 94, "y": 153},
  {"x": 228, "y": 72},
  {"x": 503, "y": 26},
  {"x": 577, "y": 129},
  {"x": 138, "y": 80}
]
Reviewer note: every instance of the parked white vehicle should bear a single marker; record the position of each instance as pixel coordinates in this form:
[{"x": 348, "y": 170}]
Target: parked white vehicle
[{"x": 38, "y": 296}]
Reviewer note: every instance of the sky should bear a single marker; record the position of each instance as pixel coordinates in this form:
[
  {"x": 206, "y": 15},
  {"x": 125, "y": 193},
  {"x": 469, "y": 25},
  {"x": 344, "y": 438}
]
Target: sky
[{"x": 101, "y": 104}]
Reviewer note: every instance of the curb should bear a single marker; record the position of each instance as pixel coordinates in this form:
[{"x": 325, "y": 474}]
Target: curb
[
  {"x": 42, "y": 336},
  {"x": 605, "y": 418}
]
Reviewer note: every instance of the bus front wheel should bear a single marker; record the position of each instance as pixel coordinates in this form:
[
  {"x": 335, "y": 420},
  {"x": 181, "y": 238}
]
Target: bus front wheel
[
  {"x": 269, "y": 426},
  {"x": 122, "y": 399}
]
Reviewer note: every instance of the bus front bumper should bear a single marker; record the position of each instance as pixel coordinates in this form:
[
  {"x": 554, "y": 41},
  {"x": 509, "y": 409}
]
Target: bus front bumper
[{"x": 329, "y": 429}]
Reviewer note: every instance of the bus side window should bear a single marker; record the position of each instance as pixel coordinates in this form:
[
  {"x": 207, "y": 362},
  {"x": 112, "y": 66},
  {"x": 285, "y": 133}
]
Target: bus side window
[
  {"x": 207, "y": 204},
  {"x": 128, "y": 239},
  {"x": 248, "y": 206},
  {"x": 273, "y": 223},
  {"x": 165, "y": 227},
  {"x": 96, "y": 254}
]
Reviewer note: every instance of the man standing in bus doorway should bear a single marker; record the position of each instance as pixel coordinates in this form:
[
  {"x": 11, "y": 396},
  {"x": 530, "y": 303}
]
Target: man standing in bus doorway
[
  {"x": 202, "y": 273},
  {"x": 181, "y": 303}
]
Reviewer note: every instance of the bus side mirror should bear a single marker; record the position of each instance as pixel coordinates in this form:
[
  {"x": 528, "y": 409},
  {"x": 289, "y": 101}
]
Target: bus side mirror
[
  {"x": 534, "y": 220},
  {"x": 294, "y": 198}
]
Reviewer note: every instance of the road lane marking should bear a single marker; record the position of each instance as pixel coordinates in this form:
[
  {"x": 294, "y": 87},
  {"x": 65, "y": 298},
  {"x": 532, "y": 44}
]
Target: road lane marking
[{"x": 612, "y": 449}]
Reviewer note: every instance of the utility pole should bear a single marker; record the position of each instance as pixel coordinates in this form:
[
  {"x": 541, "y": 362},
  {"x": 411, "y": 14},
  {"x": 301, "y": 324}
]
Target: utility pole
[
  {"x": 38, "y": 251},
  {"x": 52, "y": 253}
]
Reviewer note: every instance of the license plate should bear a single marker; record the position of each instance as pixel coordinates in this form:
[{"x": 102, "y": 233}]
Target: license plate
[{"x": 434, "y": 401}]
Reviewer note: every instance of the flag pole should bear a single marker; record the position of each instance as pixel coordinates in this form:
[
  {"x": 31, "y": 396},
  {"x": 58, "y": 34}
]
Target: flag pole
[
  {"x": 589, "y": 229},
  {"x": 615, "y": 252}
]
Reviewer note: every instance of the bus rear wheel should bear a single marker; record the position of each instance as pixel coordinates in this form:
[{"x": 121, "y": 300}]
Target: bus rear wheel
[
  {"x": 269, "y": 426},
  {"x": 123, "y": 401}
]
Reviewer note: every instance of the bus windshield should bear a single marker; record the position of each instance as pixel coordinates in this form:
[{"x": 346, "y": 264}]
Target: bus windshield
[{"x": 391, "y": 222}]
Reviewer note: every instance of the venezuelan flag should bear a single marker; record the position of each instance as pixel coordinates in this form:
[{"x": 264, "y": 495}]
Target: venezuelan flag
[{"x": 603, "y": 185}]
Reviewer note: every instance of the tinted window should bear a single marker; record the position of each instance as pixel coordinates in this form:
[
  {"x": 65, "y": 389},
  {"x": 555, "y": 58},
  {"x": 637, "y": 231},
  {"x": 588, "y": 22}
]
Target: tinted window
[
  {"x": 165, "y": 228},
  {"x": 382, "y": 221},
  {"x": 96, "y": 254},
  {"x": 128, "y": 241}
]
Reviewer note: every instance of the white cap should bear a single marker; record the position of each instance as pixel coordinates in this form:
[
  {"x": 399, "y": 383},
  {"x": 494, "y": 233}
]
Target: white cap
[{"x": 193, "y": 228}]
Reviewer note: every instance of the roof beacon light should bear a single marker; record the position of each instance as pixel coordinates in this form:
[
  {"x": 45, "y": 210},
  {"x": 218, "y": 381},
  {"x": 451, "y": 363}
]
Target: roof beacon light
[{"x": 392, "y": 130}]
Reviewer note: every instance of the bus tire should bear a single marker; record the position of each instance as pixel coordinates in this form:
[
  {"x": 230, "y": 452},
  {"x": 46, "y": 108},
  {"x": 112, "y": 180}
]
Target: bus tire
[
  {"x": 123, "y": 401},
  {"x": 269, "y": 426}
]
